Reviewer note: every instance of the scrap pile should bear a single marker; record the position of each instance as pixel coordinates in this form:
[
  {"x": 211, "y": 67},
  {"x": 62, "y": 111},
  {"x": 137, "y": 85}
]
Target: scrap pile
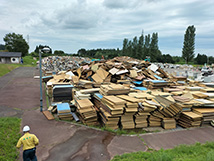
[
  {"x": 169, "y": 123},
  {"x": 190, "y": 119},
  {"x": 207, "y": 113},
  {"x": 130, "y": 109},
  {"x": 168, "y": 107},
  {"x": 114, "y": 105},
  {"x": 62, "y": 63},
  {"x": 120, "y": 70},
  {"x": 128, "y": 93},
  {"x": 111, "y": 110},
  {"x": 86, "y": 111}
]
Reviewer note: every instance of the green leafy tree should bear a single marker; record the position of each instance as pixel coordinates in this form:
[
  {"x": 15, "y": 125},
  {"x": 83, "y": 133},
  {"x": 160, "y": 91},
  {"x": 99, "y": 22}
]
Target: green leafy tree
[
  {"x": 177, "y": 59},
  {"x": 82, "y": 52},
  {"x": 16, "y": 43},
  {"x": 189, "y": 44},
  {"x": 59, "y": 52},
  {"x": 98, "y": 55},
  {"x": 168, "y": 59},
  {"x": 201, "y": 59},
  {"x": 2, "y": 47},
  {"x": 210, "y": 60},
  {"x": 125, "y": 47}
]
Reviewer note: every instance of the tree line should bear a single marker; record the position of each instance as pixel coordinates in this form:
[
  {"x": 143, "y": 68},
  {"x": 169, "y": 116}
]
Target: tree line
[
  {"x": 35, "y": 53},
  {"x": 99, "y": 53},
  {"x": 139, "y": 48},
  {"x": 142, "y": 47}
]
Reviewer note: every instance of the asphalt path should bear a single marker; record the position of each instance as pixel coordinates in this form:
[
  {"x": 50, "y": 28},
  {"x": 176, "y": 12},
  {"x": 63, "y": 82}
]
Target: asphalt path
[
  {"x": 65, "y": 141},
  {"x": 59, "y": 141}
]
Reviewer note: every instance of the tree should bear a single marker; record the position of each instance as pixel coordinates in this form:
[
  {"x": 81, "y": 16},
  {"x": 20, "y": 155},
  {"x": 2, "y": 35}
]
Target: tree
[
  {"x": 167, "y": 59},
  {"x": 81, "y": 52},
  {"x": 189, "y": 44},
  {"x": 2, "y": 47},
  {"x": 210, "y": 60},
  {"x": 59, "y": 52},
  {"x": 98, "y": 55},
  {"x": 177, "y": 59},
  {"x": 153, "y": 47},
  {"x": 129, "y": 48},
  {"x": 34, "y": 54},
  {"x": 16, "y": 43},
  {"x": 146, "y": 45},
  {"x": 134, "y": 48},
  {"x": 125, "y": 47},
  {"x": 201, "y": 59},
  {"x": 140, "y": 47},
  {"x": 41, "y": 47}
]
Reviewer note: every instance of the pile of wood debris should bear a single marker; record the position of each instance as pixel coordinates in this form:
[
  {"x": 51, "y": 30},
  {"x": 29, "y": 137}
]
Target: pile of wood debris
[{"x": 128, "y": 93}]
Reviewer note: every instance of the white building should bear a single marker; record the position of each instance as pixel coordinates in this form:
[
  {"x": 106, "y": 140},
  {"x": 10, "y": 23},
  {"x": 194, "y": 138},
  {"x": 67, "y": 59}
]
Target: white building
[{"x": 10, "y": 57}]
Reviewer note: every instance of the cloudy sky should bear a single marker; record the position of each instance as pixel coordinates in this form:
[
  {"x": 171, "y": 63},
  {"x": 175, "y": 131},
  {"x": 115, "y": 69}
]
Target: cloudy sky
[{"x": 69, "y": 25}]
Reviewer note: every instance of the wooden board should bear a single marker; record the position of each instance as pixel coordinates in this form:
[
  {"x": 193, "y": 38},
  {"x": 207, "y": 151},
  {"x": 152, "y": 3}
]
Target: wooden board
[
  {"x": 128, "y": 98},
  {"x": 48, "y": 115},
  {"x": 204, "y": 110},
  {"x": 84, "y": 103},
  {"x": 114, "y": 99}
]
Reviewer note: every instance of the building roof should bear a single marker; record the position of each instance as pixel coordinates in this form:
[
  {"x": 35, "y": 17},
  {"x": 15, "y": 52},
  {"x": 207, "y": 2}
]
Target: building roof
[{"x": 10, "y": 54}]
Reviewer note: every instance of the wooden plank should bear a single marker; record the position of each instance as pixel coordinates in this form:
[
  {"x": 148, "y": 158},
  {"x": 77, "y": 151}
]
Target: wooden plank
[
  {"x": 48, "y": 115},
  {"x": 86, "y": 91}
]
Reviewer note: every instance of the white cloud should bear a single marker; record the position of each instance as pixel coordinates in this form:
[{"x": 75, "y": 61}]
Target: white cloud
[{"x": 72, "y": 24}]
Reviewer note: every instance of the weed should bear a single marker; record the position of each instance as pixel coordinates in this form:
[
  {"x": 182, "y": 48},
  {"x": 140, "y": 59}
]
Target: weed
[
  {"x": 197, "y": 152},
  {"x": 210, "y": 156},
  {"x": 9, "y": 135}
]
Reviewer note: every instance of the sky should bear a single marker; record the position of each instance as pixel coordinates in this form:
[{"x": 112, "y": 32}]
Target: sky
[{"x": 70, "y": 25}]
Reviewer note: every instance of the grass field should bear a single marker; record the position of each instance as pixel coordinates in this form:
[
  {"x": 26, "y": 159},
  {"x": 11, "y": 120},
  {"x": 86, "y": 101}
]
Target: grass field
[
  {"x": 9, "y": 135},
  {"x": 6, "y": 68},
  {"x": 197, "y": 152}
]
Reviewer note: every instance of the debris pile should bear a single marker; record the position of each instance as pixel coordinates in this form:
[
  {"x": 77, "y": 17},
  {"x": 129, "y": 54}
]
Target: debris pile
[{"x": 127, "y": 93}]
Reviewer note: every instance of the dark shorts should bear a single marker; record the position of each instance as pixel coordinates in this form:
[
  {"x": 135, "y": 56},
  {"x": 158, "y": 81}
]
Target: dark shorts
[{"x": 29, "y": 155}]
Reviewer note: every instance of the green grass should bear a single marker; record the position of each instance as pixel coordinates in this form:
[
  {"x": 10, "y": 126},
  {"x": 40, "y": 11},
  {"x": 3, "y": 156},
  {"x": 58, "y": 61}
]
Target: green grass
[
  {"x": 122, "y": 132},
  {"x": 197, "y": 152},
  {"x": 9, "y": 135},
  {"x": 28, "y": 60},
  {"x": 6, "y": 68}
]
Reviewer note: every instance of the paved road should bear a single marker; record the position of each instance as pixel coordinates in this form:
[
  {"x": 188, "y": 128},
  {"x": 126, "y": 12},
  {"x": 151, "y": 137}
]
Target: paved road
[
  {"x": 59, "y": 141},
  {"x": 19, "y": 90},
  {"x": 64, "y": 141}
]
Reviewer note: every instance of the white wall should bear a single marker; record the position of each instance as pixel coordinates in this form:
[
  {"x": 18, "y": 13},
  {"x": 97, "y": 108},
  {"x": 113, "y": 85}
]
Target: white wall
[{"x": 2, "y": 60}]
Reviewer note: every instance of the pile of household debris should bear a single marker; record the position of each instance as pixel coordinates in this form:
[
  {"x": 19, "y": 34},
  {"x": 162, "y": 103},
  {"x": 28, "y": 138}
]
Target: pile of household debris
[{"x": 126, "y": 93}]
